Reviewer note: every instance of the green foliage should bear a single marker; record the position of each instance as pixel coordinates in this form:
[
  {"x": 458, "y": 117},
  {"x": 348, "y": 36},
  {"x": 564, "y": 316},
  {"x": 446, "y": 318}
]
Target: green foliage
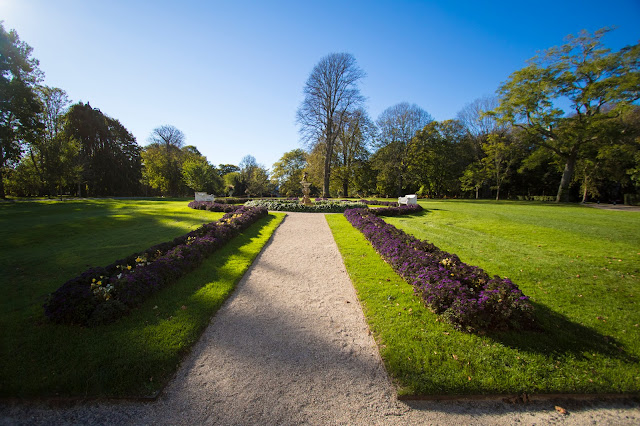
[
  {"x": 579, "y": 265},
  {"x": 437, "y": 156},
  {"x": 109, "y": 155},
  {"x": 598, "y": 84},
  {"x": 199, "y": 175},
  {"x": 19, "y": 104},
  {"x": 288, "y": 171}
]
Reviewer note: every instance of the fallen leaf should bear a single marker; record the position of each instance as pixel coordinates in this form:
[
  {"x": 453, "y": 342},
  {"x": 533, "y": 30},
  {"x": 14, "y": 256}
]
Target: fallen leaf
[
  {"x": 183, "y": 307},
  {"x": 155, "y": 307},
  {"x": 561, "y": 410},
  {"x": 455, "y": 356},
  {"x": 446, "y": 332}
]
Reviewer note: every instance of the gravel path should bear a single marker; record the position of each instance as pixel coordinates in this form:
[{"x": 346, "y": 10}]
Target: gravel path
[{"x": 292, "y": 347}]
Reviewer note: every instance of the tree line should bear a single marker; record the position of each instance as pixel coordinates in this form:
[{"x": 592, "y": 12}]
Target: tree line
[{"x": 565, "y": 127}]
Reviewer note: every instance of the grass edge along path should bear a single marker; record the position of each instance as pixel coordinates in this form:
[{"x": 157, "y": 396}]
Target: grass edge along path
[
  {"x": 137, "y": 355},
  {"x": 425, "y": 356}
]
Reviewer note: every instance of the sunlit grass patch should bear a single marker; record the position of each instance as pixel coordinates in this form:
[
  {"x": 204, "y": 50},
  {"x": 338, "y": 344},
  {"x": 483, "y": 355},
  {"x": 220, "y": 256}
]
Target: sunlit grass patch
[
  {"x": 590, "y": 341},
  {"x": 135, "y": 355}
]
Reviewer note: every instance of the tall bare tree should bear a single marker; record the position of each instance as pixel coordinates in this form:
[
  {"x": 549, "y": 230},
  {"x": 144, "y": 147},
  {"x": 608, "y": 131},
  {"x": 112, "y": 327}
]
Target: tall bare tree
[{"x": 331, "y": 91}]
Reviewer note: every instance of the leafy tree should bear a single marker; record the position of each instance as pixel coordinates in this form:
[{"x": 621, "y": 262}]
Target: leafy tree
[
  {"x": 437, "y": 157},
  {"x": 55, "y": 155},
  {"x": 397, "y": 126},
  {"x": 502, "y": 152},
  {"x": 19, "y": 104},
  {"x": 200, "y": 175},
  {"x": 163, "y": 160},
  {"x": 598, "y": 85},
  {"x": 254, "y": 176},
  {"x": 234, "y": 186},
  {"x": 288, "y": 172},
  {"x": 331, "y": 92},
  {"x": 224, "y": 169},
  {"x": 473, "y": 178},
  {"x": 109, "y": 155},
  {"x": 352, "y": 147}
]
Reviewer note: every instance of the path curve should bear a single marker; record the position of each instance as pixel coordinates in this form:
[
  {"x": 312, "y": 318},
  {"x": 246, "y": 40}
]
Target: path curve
[{"x": 291, "y": 347}]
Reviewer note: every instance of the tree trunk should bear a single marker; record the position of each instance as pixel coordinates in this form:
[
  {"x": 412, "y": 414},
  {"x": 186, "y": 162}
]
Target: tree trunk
[
  {"x": 584, "y": 192},
  {"x": 2, "y": 194},
  {"x": 477, "y": 189},
  {"x": 327, "y": 172},
  {"x": 345, "y": 187},
  {"x": 497, "y": 192},
  {"x": 567, "y": 175}
]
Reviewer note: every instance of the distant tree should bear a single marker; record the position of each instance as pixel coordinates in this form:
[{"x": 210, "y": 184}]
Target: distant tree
[
  {"x": 164, "y": 159},
  {"x": 598, "y": 85},
  {"x": 331, "y": 92},
  {"x": 224, "y": 169},
  {"x": 288, "y": 172},
  {"x": 254, "y": 176},
  {"x": 53, "y": 153},
  {"x": 397, "y": 125},
  {"x": 501, "y": 154},
  {"x": 19, "y": 103},
  {"x": 437, "y": 157},
  {"x": 109, "y": 156},
  {"x": 199, "y": 175},
  {"x": 233, "y": 184},
  {"x": 352, "y": 147}
]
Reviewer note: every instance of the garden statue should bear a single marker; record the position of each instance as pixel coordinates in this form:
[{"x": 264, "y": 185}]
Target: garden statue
[{"x": 305, "y": 190}]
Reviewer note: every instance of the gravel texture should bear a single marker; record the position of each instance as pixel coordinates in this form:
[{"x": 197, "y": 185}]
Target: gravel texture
[{"x": 291, "y": 346}]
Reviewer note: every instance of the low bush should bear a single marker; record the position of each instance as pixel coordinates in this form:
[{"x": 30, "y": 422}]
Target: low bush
[
  {"x": 104, "y": 294},
  {"x": 297, "y": 206},
  {"x": 464, "y": 295}
]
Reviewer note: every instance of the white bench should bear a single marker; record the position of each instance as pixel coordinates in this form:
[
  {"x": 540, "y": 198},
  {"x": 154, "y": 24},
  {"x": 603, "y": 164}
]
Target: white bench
[
  {"x": 203, "y": 196},
  {"x": 408, "y": 199}
]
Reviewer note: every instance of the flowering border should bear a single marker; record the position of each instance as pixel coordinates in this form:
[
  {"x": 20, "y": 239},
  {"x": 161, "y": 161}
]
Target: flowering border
[
  {"x": 466, "y": 296},
  {"x": 104, "y": 294},
  {"x": 297, "y": 206}
]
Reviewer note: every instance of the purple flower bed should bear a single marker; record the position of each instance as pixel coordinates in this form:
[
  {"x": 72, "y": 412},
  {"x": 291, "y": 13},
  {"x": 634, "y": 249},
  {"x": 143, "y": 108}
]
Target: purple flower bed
[
  {"x": 104, "y": 294},
  {"x": 464, "y": 295},
  {"x": 380, "y": 203},
  {"x": 396, "y": 210},
  {"x": 212, "y": 206}
]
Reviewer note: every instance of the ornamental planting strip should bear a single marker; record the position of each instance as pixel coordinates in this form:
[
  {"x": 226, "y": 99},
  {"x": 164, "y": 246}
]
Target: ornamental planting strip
[
  {"x": 464, "y": 295},
  {"x": 104, "y": 294}
]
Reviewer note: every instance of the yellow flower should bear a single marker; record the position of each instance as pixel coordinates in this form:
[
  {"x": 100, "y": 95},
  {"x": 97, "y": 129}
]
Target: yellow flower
[
  {"x": 129, "y": 267},
  {"x": 139, "y": 259},
  {"x": 99, "y": 283},
  {"x": 93, "y": 280}
]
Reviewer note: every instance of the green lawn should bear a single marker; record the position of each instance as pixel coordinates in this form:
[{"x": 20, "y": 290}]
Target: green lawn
[
  {"x": 580, "y": 266},
  {"x": 47, "y": 242}
]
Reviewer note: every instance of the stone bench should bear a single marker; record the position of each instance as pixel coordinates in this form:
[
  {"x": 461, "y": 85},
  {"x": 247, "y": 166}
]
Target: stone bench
[
  {"x": 203, "y": 196},
  {"x": 408, "y": 199}
]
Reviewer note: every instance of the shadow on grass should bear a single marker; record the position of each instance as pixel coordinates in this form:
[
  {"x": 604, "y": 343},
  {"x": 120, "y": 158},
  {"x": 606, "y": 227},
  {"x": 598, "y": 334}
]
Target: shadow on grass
[{"x": 560, "y": 335}]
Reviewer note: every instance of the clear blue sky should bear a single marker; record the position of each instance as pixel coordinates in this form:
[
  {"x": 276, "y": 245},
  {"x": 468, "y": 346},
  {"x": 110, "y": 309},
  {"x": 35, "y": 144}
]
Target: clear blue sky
[{"x": 230, "y": 74}]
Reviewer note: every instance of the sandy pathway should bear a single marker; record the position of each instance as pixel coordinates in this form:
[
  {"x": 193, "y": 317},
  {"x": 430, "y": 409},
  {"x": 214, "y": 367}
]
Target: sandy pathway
[{"x": 291, "y": 347}]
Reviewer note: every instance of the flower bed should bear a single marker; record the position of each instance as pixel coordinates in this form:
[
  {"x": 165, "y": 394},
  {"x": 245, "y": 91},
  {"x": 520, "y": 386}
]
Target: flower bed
[
  {"x": 213, "y": 206},
  {"x": 464, "y": 295},
  {"x": 396, "y": 210},
  {"x": 297, "y": 206},
  {"x": 103, "y": 294},
  {"x": 380, "y": 203}
]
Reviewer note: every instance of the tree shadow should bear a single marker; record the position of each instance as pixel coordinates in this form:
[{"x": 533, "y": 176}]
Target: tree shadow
[{"x": 557, "y": 335}]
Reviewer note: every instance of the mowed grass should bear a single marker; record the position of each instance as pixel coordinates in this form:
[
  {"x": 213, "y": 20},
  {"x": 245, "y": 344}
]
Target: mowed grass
[
  {"x": 46, "y": 243},
  {"x": 580, "y": 266}
]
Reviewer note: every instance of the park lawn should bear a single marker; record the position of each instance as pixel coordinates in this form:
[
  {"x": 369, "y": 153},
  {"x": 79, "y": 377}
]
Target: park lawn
[
  {"x": 46, "y": 243},
  {"x": 580, "y": 266}
]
